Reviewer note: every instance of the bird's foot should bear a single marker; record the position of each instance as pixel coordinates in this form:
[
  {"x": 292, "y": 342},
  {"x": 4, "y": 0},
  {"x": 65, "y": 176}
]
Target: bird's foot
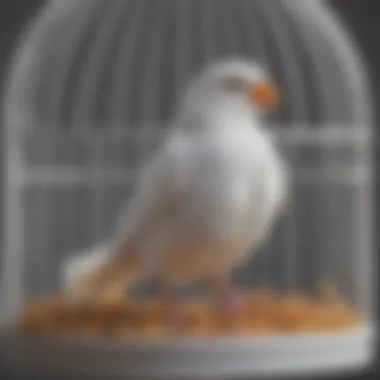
[
  {"x": 232, "y": 303},
  {"x": 233, "y": 306},
  {"x": 175, "y": 314}
]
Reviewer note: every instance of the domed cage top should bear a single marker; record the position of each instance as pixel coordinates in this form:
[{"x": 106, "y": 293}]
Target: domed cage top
[{"x": 92, "y": 88}]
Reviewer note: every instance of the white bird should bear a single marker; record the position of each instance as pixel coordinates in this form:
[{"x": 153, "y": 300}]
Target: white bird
[{"x": 208, "y": 197}]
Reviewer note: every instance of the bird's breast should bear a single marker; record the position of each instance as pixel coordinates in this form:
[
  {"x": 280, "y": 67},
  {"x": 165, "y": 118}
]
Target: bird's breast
[
  {"x": 223, "y": 176},
  {"x": 225, "y": 184}
]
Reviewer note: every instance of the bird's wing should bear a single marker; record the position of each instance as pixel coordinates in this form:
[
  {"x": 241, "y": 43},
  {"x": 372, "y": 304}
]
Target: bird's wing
[
  {"x": 272, "y": 199},
  {"x": 158, "y": 193}
]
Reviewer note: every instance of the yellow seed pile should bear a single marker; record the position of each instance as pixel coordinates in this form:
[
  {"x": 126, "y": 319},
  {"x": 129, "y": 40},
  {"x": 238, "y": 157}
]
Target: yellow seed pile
[{"x": 265, "y": 313}]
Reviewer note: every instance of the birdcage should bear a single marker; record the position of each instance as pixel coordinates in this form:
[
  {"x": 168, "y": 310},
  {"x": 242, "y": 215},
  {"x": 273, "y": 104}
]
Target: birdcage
[{"x": 91, "y": 89}]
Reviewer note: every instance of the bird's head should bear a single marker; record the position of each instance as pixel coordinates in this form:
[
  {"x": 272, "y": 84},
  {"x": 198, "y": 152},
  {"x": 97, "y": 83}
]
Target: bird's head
[{"x": 232, "y": 86}]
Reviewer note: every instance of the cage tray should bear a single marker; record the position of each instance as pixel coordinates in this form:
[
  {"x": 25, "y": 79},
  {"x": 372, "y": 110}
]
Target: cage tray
[{"x": 184, "y": 357}]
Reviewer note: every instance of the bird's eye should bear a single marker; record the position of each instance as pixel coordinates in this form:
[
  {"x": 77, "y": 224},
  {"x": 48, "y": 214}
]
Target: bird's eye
[{"x": 234, "y": 84}]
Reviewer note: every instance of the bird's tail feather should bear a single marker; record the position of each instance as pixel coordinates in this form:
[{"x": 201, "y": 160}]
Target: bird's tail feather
[{"x": 102, "y": 270}]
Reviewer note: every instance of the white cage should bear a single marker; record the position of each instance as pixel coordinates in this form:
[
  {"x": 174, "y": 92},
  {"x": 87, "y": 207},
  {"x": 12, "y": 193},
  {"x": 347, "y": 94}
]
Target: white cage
[{"x": 90, "y": 89}]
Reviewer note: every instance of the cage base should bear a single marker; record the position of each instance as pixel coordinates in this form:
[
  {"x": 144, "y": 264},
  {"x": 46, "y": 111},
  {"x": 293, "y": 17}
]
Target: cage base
[{"x": 224, "y": 357}]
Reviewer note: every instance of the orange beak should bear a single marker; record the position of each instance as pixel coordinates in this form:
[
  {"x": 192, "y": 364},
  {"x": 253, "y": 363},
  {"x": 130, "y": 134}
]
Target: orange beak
[{"x": 264, "y": 95}]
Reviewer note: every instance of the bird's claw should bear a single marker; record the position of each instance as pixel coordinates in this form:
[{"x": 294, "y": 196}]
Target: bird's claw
[
  {"x": 175, "y": 315},
  {"x": 233, "y": 306}
]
